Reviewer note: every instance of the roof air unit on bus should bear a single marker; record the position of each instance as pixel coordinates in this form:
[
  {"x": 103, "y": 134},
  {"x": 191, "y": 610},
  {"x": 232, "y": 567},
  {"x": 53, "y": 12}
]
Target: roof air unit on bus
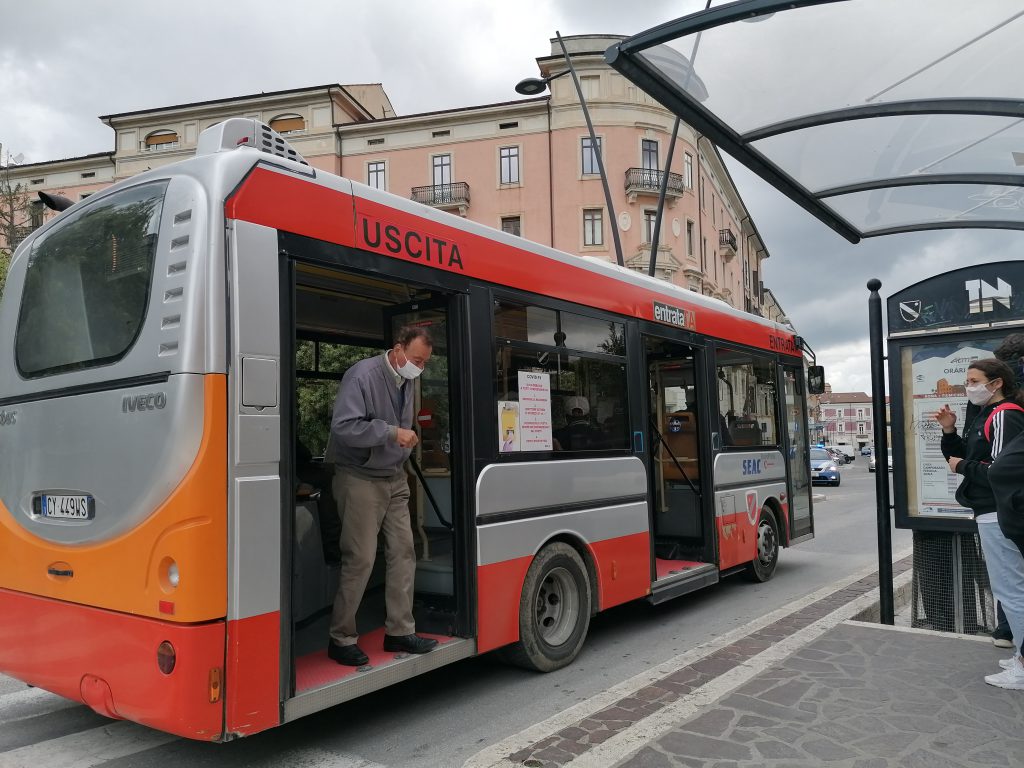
[{"x": 238, "y": 132}]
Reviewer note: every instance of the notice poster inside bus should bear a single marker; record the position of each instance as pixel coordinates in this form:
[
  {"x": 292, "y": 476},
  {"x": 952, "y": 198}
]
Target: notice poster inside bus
[
  {"x": 535, "y": 411},
  {"x": 933, "y": 376},
  {"x": 508, "y": 426}
]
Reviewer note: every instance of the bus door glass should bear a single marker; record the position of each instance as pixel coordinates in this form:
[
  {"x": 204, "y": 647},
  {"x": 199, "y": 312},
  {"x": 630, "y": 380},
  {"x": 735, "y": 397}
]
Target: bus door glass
[
  {"x": 798, "y": 459},
  {"x": 431, "y": 484},
  {"x": 679, "y": 525}
]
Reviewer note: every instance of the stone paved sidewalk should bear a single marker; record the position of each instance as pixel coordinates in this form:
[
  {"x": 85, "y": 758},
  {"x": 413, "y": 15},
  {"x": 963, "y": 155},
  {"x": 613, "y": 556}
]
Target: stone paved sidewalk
[
  {"x": 861, "y": 696},
  {"x": 576, "y": 740}
]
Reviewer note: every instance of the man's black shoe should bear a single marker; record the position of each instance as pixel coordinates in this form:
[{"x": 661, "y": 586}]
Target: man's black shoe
[
  {"x": 408, "y": 643},
  {"x": 350, "y": 655}
]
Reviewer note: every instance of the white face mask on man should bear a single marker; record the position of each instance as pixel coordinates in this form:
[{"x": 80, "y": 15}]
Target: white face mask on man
[
  {"x": 409, "y": 370},
  {"x": 979, "y": 393}
]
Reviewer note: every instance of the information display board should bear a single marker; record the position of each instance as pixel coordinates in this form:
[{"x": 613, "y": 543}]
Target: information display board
[{"x": 936, "y": 328}]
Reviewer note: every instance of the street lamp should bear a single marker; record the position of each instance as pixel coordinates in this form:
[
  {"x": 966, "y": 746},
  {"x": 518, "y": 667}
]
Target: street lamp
[{"x": 531, "y": 86}]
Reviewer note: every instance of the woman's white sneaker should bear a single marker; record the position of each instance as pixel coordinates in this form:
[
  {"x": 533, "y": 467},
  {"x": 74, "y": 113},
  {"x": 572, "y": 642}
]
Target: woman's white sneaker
[
  {"x": 1011, "y": 678},
  {"x": 1007, "y": 662}
]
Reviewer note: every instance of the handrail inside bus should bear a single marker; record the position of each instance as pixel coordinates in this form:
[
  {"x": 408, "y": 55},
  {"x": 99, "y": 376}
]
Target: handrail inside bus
[{"x": 426, "y": 489}]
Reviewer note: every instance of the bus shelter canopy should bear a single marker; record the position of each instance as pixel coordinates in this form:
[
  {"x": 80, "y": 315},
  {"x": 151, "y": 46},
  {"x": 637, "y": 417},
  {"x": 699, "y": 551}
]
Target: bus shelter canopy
[{"x": 876, "y": 116}]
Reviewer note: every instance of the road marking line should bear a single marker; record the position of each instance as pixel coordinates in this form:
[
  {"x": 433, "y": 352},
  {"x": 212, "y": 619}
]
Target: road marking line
[
  {"x": 86, "y": 749},
  {"x": 495, "y": 756},
  {"x": 29, "y": 701},
  {"x": 314, "y": 757}
]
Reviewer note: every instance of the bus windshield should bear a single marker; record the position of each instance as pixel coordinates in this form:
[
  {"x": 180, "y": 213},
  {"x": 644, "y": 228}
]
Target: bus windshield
[{"x": 87, "y": 284}]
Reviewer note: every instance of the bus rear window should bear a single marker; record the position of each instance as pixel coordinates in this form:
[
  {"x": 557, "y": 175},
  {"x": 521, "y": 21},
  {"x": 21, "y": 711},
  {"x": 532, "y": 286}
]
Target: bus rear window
[{"x": 87, "y": 285}]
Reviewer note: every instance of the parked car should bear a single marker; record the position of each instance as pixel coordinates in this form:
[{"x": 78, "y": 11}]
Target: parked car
[
  {"x": 824, "y": 468},
  {"x": 866, "y": 451},
  {"x": 872, "y": 462},
  {"x": 847, "y": 450},
  {"x": 837, "y": 456}
]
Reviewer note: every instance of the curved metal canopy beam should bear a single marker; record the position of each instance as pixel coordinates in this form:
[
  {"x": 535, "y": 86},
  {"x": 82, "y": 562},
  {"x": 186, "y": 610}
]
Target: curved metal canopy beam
[
  {"x": 980, "y": 107},
  {"x": 908, "y": 228},
  {"x": 1001, "y": 179}
]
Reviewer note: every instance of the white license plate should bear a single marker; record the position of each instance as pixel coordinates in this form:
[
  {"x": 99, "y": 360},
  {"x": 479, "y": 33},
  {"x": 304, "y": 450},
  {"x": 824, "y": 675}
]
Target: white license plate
[{"x": 66, "y": 507}]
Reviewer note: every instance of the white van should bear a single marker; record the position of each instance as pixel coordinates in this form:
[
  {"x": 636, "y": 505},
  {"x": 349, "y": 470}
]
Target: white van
[{"x": 848, "y": 450}]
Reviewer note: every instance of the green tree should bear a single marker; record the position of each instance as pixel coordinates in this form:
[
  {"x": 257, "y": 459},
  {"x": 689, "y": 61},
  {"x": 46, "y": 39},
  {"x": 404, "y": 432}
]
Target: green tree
[{"x": 5, "y": 263}]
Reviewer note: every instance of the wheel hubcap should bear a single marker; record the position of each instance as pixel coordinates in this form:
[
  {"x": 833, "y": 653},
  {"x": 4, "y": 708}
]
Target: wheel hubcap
[
  {"x": 767, "y": 546},
  {"x": 558, "y": 606}
]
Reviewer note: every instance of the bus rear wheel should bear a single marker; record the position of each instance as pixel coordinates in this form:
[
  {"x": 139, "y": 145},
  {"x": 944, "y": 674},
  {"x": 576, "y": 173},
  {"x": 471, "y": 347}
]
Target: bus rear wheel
[
  {"x": 554, "y": 610},
  {"x": 762, "y": 567}
]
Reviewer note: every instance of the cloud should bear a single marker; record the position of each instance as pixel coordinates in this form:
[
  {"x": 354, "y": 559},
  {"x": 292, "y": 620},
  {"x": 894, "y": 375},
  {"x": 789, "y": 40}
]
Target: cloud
[{"x": 63, "y": 64}]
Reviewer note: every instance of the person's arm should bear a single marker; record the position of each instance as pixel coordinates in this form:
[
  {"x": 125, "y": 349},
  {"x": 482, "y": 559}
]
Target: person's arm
[
  {"x": 1006, "y": 425},
  {"x": 952, "y": 444},
  {"x": 351, "y": 423}
]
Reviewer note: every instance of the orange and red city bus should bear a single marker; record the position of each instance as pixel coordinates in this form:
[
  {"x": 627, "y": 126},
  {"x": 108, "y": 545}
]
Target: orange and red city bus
[{"x": 168, "y": 552}]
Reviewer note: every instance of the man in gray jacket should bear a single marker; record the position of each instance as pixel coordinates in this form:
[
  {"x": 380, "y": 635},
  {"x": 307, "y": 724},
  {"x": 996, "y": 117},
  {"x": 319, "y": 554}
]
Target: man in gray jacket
[{"x": 371, "y": 439}]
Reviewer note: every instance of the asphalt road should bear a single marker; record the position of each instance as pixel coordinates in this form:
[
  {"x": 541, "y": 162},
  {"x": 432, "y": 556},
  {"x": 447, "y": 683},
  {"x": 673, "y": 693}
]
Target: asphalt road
[{"x": 443, "y": 718}]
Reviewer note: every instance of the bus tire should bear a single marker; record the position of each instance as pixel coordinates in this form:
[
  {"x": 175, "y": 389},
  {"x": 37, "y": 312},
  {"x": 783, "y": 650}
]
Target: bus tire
[
  {"x": 554, "y": 610},
  {"x": 766, "y": 557}
]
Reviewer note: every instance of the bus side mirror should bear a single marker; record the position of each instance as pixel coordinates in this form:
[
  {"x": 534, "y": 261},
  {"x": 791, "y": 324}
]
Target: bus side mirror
[{"x": 816, "y": 379}]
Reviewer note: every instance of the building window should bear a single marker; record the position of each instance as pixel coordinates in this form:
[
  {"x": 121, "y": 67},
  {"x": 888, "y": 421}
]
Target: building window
[
  {"x": 286, "y": 124},
  {"x": 593, "y": 226},
  {"x": 689, "y": 238},
  {"x": 860, "y": 413},
  {"x": 36, "y": 214},
  {"x": 160, "y": 141},
  {"x": 375, "y": 174},
  {"x": 374, "y": 142},
  {"x": 649, "y": 218},
  {"x": 649, "y": 161},
  {"x": 509, "y": 163},
  {"x": 88, "y": 174},
  {"x": 441, "y": 134},
  {"x": 688, "y": 170},
  {"x": 702, "y": 195},
  {"x": 441, "y": 169},
  {"x": 37, "y": 182},
  {"x": 860, "y": 428},
  {"x": 589, "y": 156},
  {"x": 513, "y": 225}
]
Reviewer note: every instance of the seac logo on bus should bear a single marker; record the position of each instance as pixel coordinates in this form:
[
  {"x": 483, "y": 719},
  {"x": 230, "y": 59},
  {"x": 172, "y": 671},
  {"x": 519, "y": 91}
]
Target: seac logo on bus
[
  {"x": 8, "y": 418},
  {"x": 152, "y": 401}
]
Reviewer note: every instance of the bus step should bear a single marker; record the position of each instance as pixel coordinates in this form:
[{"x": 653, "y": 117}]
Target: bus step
[{"x": 678, "y": 584}]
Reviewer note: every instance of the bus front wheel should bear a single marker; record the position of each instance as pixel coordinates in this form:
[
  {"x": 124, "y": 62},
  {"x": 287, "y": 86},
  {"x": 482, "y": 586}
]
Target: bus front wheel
[
  {"x": 762, "y": 567},
  {"x": 554, "y": 610}
]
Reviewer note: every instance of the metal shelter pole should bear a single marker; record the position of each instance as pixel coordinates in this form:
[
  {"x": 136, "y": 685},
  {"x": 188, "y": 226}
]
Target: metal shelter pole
[
  {"x": 885, "y": 593},
  {"x": 661, "y": 201},
  {"x": 596, "y": 149}
]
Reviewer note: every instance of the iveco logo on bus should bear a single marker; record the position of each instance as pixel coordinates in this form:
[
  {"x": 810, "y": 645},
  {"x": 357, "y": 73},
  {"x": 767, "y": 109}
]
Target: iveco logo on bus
[
  {"x": 152, "y": 401},
  {"x": 683, "y": 318},
  {"x": 8, "y": 418},
  {"x": 418, "y": 246}
]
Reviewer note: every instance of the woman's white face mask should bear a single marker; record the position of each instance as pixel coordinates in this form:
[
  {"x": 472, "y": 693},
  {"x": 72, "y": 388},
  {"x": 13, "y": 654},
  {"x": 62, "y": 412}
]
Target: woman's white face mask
[{"x": 979, "y": 393}]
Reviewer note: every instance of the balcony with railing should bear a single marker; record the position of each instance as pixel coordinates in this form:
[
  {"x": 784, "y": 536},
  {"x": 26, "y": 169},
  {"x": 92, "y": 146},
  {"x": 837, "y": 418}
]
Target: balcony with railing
[
  {"x": 726, "y": 243},
  {"x": 647, "y": 182},
  {"x": 448, "y": 197}
]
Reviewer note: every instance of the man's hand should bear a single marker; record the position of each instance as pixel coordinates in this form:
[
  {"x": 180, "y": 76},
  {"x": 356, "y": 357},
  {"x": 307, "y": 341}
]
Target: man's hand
[{"x": 406, "y": 438}]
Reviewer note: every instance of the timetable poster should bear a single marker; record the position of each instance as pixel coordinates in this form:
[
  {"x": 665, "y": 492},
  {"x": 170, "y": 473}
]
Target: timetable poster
[
  {"x": 535, "y": 411},
  {"x": 937, "y": 373}
]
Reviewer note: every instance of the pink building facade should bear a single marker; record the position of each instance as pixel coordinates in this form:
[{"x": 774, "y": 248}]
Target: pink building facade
[{"x": 525, "y": 166}]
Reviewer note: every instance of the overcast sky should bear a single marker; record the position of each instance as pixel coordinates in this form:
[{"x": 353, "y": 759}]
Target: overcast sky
[{"x": 63, "y": 64}]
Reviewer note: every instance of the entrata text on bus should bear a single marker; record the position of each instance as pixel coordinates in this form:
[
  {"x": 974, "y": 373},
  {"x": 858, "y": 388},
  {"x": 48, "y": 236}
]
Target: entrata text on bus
[{"x": 169, "y": 538}]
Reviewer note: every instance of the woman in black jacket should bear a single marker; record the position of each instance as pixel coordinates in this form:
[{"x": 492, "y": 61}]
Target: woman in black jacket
[{"x": 992, "y": 387}]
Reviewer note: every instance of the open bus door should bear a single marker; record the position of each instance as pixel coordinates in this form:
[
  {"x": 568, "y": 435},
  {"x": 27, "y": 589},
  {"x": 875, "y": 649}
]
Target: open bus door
[
  {"x": 682, "y": 525},
  {"x": 794, "y": 406}
]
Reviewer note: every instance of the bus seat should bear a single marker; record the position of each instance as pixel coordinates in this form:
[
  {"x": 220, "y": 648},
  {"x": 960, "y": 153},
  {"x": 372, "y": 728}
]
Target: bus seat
[{"x": 680, "y": 433}]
